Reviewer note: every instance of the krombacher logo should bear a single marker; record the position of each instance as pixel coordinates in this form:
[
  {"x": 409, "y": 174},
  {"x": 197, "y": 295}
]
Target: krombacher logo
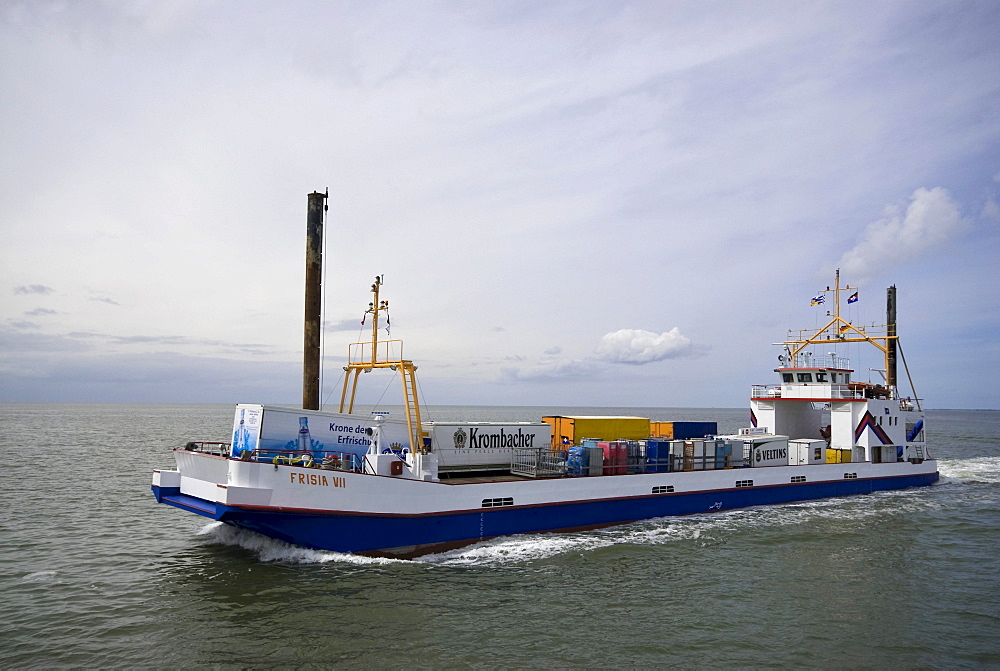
[{"x": 502, "y": 439}]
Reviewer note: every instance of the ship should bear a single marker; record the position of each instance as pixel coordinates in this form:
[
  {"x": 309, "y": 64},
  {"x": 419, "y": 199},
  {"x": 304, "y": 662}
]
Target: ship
[{"x": 380, "y": 485}]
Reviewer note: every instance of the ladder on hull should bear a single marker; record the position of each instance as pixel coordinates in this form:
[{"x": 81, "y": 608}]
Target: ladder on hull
[{"x": 412, "y": 405}]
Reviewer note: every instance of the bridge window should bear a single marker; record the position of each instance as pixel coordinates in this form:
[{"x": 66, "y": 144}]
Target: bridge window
[
  {"x": 805, "y": 377},
  {"x": 821, "y": 377},
  {"x": 787, "y": 377}
]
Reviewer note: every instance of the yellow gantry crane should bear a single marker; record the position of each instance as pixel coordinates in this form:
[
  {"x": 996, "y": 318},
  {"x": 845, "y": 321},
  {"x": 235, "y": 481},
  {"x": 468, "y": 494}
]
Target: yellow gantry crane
[{"x": 364, "y": 357}]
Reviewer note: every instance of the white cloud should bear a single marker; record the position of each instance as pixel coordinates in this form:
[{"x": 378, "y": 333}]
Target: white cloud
[
  {"x": 33, "y": 289},
  {"x": 635, "y": 346},
  {"x": 931, "y": 219},
  {"x": 991, "y": 210},
  {"x": 573, "y": 369}
]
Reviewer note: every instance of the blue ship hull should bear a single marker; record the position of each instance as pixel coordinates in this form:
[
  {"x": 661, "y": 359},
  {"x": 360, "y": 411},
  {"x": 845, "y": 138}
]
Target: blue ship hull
[{"x": 400, "y": 535}]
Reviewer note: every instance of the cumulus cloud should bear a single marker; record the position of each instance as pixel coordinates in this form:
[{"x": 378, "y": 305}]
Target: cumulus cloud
[
  {"x": 931, "y": 218},
  {"x": 635, "y": 346},
  {"x": 572, "y": 369},
  {"x": 629, "y": 346}
]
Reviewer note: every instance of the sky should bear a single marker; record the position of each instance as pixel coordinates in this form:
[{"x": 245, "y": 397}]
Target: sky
[{"x": 582, "y": 203}]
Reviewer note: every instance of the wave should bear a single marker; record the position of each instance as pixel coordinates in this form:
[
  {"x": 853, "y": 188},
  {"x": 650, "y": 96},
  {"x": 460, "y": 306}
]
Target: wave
[
  {"x": 39, "y": 576},
  {"x": 701, "y": 530},
  {"x": 977, "y": 470},
  {"x": 272, "y": 550}
]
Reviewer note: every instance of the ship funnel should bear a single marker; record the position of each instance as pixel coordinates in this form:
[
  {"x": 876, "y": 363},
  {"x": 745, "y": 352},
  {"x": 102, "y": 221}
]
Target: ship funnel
[{"x": 890, "y": 345}]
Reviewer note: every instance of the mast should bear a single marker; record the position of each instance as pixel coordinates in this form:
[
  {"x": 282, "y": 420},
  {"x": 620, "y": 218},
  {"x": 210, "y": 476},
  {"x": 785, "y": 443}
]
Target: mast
[
  {"x": 837, "y": 330},
  {"x": 313, "y": 305},
  {"x": 365, "y": 357}
]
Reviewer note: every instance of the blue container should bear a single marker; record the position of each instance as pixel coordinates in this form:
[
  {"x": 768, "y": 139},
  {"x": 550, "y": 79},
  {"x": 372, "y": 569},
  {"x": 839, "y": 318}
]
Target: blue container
[
  {"x": 657, "y": 456},
  {"x": 577, "y": 463},
  {"x": 689, "y": 430},
  {"x": 722, "y": 452}
]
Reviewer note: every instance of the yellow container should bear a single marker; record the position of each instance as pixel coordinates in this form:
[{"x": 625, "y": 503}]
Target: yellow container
[
  {"x": 572, "y": 429},
  {"x": 662, "y": 430},
  {"x": 835, "y": 456}
]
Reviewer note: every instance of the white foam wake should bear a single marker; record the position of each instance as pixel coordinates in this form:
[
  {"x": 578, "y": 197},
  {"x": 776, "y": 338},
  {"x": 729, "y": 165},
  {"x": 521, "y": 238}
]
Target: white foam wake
[
  {"x": 272, "y": 550},
  {"x": 702, "y": 529},
  {"x": 39, "y": 576},
  {"x": 981, "y": 470}
]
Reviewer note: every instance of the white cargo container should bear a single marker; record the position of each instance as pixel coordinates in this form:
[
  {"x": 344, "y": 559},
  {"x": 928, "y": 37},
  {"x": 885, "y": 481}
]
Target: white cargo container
[
  {"x": 696, "y": 448},
  {"x": 759, "y": 449},
  {"x": 271, "y": 432},
  {"x": 481, "y": 446},
  {"x": 735, "y": 458},
  {"x": 802, "y": 451}
]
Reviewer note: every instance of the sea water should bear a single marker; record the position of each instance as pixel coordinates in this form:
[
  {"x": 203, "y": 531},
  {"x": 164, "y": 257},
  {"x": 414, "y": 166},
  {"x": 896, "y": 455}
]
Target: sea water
[{"x": 94, "y": 573}]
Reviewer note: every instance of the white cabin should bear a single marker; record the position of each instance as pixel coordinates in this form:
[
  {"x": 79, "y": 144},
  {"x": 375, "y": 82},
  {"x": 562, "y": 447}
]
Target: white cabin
[{"x": 816, "y": 396}]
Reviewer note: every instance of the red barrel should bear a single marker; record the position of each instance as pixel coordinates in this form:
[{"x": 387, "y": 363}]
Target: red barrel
[
  {"x": 615, "y": 456},
  {"x": 621, "y": 457},
  {"x": 609, "y": 456}
]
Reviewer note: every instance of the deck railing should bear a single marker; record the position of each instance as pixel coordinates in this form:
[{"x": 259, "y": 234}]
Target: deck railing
[
  {"x": 533, "y": 462},
  {"x": 332, "y": 460},
  {"x": 837, "y": 393},
  {"x": 212, "y": 447},
  {"x": 538, "y": 462}
]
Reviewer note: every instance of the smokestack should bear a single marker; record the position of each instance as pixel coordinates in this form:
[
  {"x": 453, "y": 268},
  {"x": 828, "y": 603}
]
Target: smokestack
[
  {"x": 890, "y": 345},
  {"x": 314, "y": 296}
]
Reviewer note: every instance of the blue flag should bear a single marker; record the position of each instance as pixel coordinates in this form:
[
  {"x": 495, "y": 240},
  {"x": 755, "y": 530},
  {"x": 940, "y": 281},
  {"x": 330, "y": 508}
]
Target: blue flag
[
  {"x": 819, "y": 300},
  {"x": 853, "y": 298}
]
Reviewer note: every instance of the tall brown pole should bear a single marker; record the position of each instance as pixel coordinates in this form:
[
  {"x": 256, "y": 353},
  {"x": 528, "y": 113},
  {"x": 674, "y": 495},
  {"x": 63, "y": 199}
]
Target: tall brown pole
[
  {"x": 314, "y": 296},
  {"x": 890, "y": 342}
]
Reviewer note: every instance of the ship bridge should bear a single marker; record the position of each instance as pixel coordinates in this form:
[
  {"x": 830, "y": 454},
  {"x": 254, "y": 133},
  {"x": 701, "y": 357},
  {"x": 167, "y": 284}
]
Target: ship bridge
[{"x": 816, "y": 397}]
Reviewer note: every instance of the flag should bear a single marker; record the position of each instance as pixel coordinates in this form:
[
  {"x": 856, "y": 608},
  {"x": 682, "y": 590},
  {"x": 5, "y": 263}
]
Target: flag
[
  {"x": 818, "y": 300},
  {"x": 845, "y": 328},
  {"x": 853, "y": 298}
]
